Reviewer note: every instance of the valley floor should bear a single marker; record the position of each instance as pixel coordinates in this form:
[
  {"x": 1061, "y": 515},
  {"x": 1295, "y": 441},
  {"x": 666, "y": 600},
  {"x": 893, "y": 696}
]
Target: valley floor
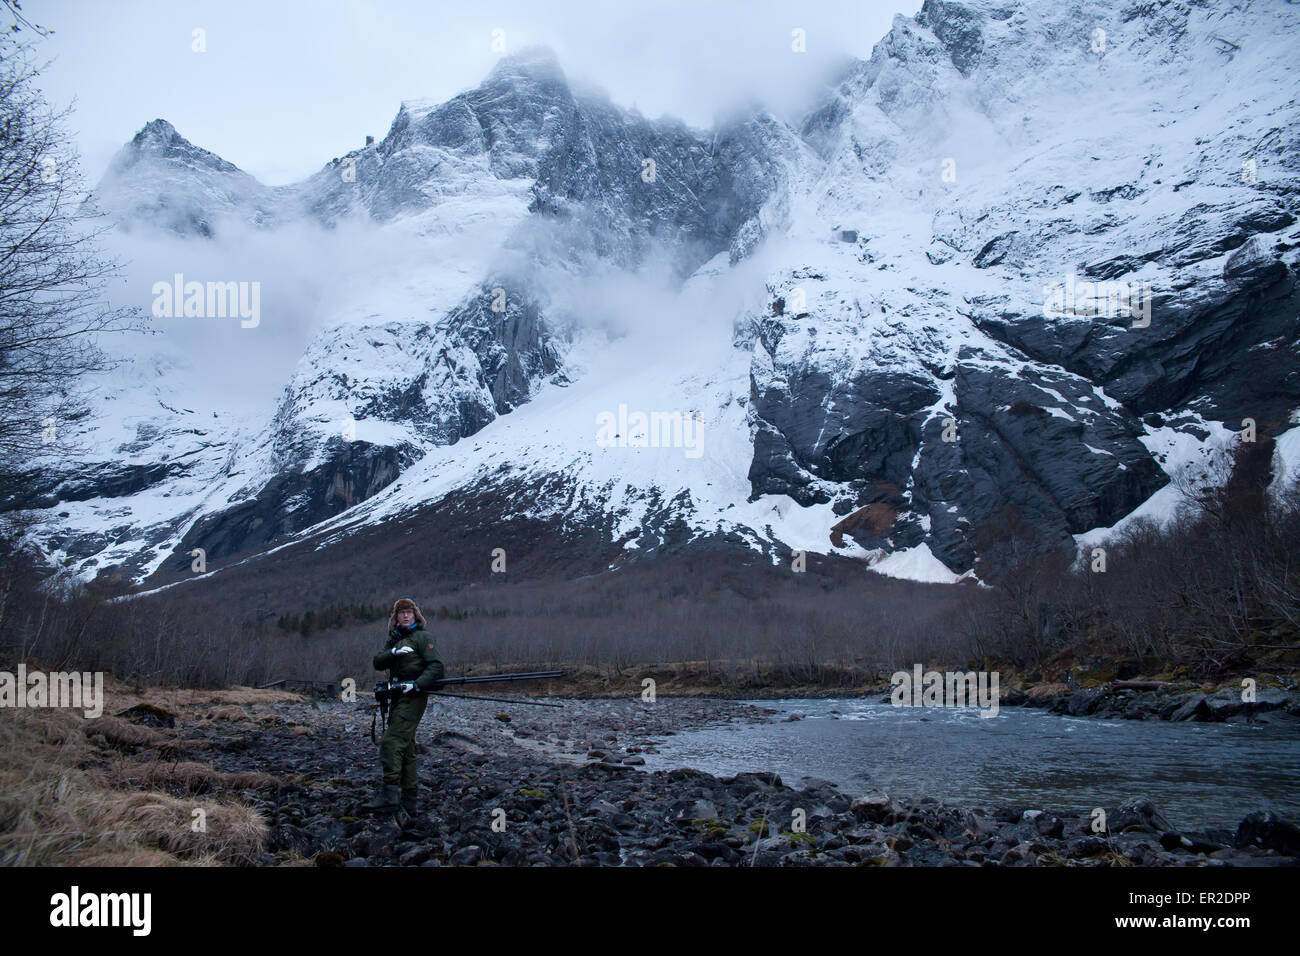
[{"x": 280, "y": 779}]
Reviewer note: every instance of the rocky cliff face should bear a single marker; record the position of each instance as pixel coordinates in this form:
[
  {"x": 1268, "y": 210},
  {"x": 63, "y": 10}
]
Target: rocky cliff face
[
  {"x": 1014, "y": 257},
  {"x": 1102, "y": 178}
]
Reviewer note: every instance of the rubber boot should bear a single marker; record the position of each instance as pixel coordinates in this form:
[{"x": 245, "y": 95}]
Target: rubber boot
[
  {"x": 385, "y": 800},
  {"x": 411, "y": 802}
]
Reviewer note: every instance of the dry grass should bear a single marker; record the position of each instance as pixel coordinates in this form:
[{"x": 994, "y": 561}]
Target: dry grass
[
  {"x": 102, "y": 792},
  {"x": 190, "y": 777},
  {"x": 122, "y": 733},
  {"x": 227, "y": 712},
  {"x": 181, "y": 699}
]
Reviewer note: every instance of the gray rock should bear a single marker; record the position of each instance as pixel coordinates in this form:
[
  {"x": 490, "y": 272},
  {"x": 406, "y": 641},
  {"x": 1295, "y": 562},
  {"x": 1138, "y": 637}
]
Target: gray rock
[
  {"x": 1194, "y": 708},
  {"x": 1266, "y": 830},
  {"x": 467, "y": 856},
  {"x": 1085, "y": 847},
  {"x": 874, "y": 808},
  {"x": 1136, "y": 814},
  {"x": 415, "y": 856}
]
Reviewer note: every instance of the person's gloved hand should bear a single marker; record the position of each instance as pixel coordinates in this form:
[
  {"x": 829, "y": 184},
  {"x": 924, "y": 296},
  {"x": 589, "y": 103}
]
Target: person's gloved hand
[
  {"x": 407, "y": 687},
  {"x": 404, "y": 649}
]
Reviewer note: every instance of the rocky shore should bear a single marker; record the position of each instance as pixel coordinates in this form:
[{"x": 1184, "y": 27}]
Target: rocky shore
[
  {"x": 518, "y": 786},
  {"x": 1271, "y": 704},
  {"x": 1084, "y": 690},
  {"x": 1175, "y": 703}
]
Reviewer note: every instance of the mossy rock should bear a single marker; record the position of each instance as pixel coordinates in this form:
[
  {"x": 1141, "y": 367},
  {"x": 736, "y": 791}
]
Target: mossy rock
[
  {"x": 685, "y": 773},
  {"x": 531, "y": 793},
  {"x": 797, "y": 838},
  {"x": 148, "y": 715},
  {"x": 760, "y": 827}
]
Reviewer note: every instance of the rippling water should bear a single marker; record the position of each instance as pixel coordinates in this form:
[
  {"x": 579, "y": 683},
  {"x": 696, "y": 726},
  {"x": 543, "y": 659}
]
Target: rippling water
[{"x": 1196, "y": 774}]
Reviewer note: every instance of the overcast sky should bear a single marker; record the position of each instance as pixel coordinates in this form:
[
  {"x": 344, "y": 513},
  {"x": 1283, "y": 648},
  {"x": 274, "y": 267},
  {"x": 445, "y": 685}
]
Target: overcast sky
[{"x": 284, "y": 85}]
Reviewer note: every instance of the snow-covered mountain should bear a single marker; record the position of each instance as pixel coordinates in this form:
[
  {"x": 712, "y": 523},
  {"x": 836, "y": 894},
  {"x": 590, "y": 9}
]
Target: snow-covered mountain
[{"x": 876, "y": 332}]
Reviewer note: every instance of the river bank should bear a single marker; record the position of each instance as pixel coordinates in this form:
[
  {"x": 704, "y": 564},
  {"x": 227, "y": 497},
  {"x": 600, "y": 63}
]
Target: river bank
[{"x": 280, "y": 778}]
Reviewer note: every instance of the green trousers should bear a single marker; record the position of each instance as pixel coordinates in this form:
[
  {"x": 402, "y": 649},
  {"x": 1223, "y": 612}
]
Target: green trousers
[{"x": 397, "y": 751}]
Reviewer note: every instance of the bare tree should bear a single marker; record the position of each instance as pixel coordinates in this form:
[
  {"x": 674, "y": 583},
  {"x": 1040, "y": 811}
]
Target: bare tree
[
  {"x": 52, "y": 276},
  {"x": 15, "y": 10}
]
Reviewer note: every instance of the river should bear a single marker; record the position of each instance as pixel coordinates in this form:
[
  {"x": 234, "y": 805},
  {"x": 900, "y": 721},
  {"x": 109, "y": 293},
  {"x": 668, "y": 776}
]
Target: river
[{"x": 1196, "y": 774}]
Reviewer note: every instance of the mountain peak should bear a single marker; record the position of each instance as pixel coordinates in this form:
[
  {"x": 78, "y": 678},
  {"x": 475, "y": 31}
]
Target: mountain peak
[
  {"x": 537, "y": 63},
  {"x": 159, "y": 138},
  {"x": 162, "y": 179},
  {"x": 158, "y": 124},
  {"x": 157, "y": 132}
]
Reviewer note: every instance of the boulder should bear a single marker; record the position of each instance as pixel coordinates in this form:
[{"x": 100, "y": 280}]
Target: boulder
[
  {"x": 1266, "y": 830},
  {"x": 874, "y": 807},
  {"x": 1136, "y": 814},
  {"x": 467, "y": 856},
  {"x": 1193, "y": 708}
]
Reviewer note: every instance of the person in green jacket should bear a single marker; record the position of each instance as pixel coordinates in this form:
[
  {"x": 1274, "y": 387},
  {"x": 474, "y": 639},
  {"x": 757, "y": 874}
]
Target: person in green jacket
[{"x": 413, "y": 663}]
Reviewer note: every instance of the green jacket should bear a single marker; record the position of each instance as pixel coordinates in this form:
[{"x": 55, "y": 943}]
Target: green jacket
[{"x": 424, "y": 666}]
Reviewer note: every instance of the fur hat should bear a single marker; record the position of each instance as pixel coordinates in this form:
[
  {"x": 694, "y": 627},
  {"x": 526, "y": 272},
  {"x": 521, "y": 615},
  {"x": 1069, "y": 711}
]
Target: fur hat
[{"x": 406, "y": 603}]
